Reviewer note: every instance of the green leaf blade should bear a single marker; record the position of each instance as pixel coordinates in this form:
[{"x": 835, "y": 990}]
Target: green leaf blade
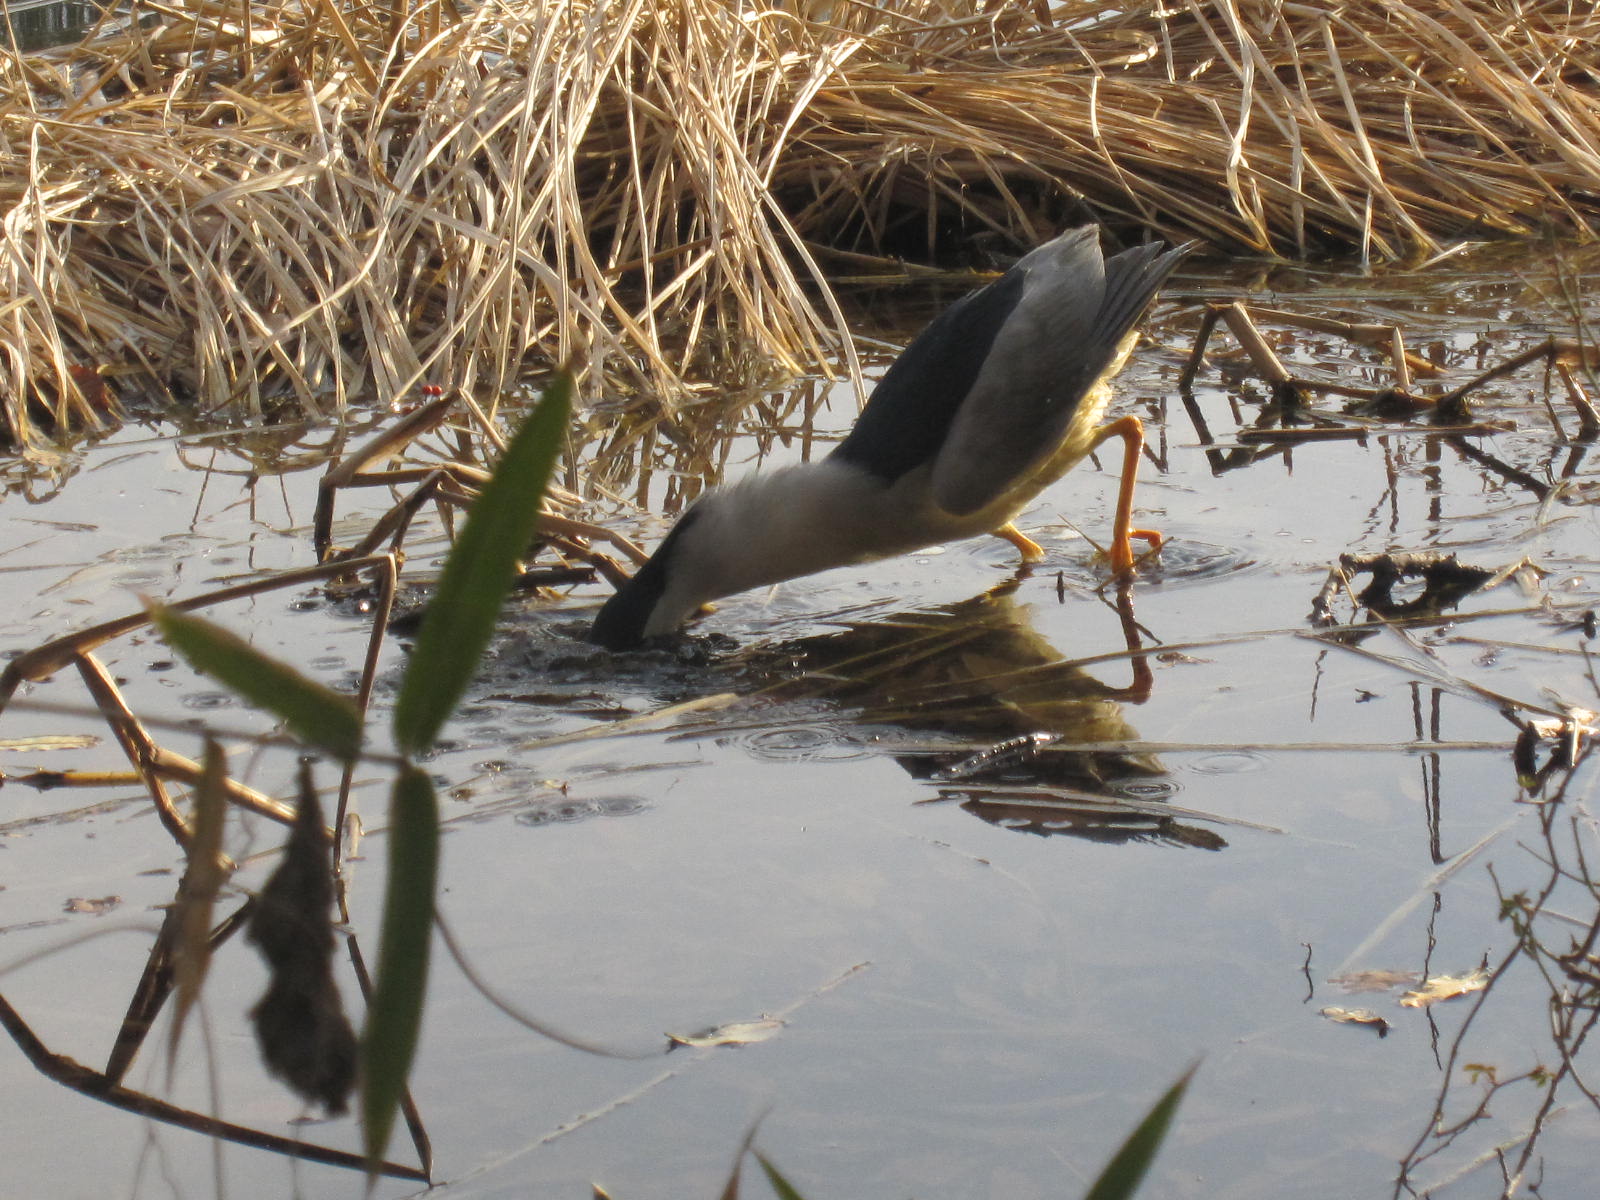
[
  {"x": 394, "y": 1016},
  {"x": 780, "y": 1185},
  {"x": 1127, "y": 1168},
  {"x": 478, "y": 574},
  {"x": 317, "y": 715}
]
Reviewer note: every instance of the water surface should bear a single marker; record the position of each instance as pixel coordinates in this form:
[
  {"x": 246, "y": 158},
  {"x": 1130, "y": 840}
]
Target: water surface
[{"x": 986, "y": 970}]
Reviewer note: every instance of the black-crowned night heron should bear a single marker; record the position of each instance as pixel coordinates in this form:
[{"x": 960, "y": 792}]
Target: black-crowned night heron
[{"x": 1000, "y": 396}]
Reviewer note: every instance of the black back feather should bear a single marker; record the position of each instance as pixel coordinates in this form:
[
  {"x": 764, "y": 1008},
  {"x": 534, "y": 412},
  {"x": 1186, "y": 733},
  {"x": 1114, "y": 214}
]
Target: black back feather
[{"x": 909, "y": 413}]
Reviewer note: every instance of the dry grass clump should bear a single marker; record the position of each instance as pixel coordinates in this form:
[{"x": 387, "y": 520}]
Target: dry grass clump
[
  {"x": 241, "y": 205},
  {"x": 246, "y": 204},
  {"x": 1257, "y": 126}
]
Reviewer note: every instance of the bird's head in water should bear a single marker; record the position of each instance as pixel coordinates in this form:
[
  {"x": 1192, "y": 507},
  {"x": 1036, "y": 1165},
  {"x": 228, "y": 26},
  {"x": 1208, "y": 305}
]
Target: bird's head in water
[{"x": 646, "y": 606}]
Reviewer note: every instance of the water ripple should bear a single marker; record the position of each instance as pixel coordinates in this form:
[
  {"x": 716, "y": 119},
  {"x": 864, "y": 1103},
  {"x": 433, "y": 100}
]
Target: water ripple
[{"x": 802, "y": 743}]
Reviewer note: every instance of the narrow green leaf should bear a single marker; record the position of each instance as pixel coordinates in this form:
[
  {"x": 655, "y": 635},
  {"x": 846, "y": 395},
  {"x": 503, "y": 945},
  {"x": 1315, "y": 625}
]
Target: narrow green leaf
[
  {"x": 394, "y": 1017},
  {"x": 785, "y": 1189},
  {"x": 478, "y": 574},
  {"x": 317, "y": 715},
  {"x": 1126, "y": 1170},
  {"x": 730, "y": 1189}
]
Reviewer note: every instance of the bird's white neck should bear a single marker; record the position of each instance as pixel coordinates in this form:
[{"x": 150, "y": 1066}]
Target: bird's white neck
[{"x": 774, "y": 526}]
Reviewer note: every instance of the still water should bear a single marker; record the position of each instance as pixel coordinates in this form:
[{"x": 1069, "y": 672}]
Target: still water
[
  {"x": 984, "y": 973},
  {"x": 37, "y": 26}
]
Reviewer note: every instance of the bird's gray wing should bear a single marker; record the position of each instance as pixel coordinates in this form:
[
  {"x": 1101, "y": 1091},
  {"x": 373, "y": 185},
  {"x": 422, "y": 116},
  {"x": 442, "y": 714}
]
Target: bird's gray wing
[
  {"x": 1059, "y": 338},
  {"x": 909, "y": 414}
]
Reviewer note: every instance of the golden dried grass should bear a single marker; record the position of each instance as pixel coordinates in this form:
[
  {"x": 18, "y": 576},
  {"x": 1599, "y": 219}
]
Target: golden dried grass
[
  {"x": 244, "y": 205},
  {"x": 1258, "y": 126}
]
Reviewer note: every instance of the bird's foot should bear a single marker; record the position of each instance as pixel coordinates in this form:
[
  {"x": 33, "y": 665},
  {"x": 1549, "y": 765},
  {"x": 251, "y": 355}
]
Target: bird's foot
[
  {"x": 1121, "y": 553},
  {"x": 1030, "y": 550}
]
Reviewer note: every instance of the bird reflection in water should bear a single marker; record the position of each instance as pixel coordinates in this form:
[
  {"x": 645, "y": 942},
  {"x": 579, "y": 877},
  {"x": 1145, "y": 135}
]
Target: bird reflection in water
[{"x": 1019, "y": 737}]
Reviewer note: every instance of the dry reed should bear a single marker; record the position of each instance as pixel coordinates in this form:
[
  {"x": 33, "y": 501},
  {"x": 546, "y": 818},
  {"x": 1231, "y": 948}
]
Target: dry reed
[{"x": 232, "y": 206}]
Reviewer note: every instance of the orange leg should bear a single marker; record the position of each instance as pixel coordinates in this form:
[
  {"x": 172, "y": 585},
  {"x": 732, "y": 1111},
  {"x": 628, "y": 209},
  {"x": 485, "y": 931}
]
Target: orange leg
[
  {"x": 1030, "y": 550},
  {"x": 1131, "y": 431}
]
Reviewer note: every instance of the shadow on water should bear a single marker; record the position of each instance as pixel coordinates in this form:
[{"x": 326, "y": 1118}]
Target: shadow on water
[{"x": 1021, "y": 738}]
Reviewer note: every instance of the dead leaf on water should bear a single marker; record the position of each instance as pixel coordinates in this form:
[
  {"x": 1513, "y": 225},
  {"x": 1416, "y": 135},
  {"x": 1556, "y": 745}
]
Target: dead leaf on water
[
  {"x": 737, "y": 1033},
  {"x": 96, "y": 907},
  {"x": 1357, "y": 1016},
  {"x": 1446, "y": 987},
  {"x": 1374, "y": 981},
  {"x": 301, "y": 1028},
  {"x": 53, "y": 741},
  {"x": 1578, "y": 722}
]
